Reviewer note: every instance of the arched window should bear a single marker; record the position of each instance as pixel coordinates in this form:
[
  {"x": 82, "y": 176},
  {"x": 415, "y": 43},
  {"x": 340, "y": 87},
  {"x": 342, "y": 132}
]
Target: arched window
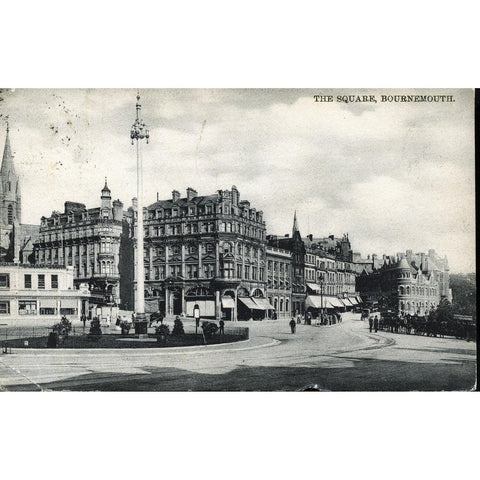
[
  {"x": 10, "y": 215},
  {"x": 281, "y": 304},
  {"x": 257, "y": 293},
  {"x": 286, "y": 305},
  {"x": 402, "y": 290},
  {"x": 275, "y": 304}
]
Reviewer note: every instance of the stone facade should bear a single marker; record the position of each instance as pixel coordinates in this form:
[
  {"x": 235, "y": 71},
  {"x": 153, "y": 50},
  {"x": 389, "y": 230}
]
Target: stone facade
[
  {"x": 96, "y": 242},
  {"x": 16, "y": 239},
  {"x": 207, "y": 251},
  {"x": 39, "y": 294}
]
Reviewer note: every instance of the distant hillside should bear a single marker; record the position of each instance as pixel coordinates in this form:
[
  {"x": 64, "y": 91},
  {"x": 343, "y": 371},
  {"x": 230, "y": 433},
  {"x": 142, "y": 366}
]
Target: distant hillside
[{"x": 464, "y": 293}]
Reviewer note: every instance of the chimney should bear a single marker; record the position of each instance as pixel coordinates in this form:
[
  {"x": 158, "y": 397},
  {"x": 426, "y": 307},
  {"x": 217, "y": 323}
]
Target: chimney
[
  {"x": 175, "y": 195},
  {"x": 235, "y": 195},
  {"x": 191, "y": 193},
  {"x": 117, "y": 210}
]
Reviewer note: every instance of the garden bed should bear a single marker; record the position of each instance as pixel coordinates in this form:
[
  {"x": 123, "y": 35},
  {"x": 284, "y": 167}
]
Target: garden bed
[{"x": 119, "y": 341}]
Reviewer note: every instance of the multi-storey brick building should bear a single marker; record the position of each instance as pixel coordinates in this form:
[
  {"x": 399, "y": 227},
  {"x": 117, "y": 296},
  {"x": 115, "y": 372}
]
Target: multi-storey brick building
[
  {"x": 207, "y": 251},
  {"x": 407, "y": 283},
  {"x": 97, "y": 243},
  {"x": 279, "y": 282},
  {"x": 323, "y": 275}
]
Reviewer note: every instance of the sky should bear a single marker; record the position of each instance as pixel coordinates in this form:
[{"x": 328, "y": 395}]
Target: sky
[{"x": 394, "y": 176}]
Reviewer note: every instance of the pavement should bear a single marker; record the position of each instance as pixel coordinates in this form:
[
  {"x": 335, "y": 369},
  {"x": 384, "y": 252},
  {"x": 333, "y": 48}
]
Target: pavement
[{"x": 341, "y": 357}]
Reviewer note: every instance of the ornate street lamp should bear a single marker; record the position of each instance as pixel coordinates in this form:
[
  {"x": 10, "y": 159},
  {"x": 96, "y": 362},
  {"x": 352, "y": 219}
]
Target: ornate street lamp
[{"x": 139, "y": 131}]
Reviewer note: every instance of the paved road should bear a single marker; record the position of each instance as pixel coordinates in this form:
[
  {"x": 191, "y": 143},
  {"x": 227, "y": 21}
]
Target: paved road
[{"x": 338, "y": 357}]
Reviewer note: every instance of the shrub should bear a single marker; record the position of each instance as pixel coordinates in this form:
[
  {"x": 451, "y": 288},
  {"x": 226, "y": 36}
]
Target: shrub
[
  {"x": 178, "y": 328},
  {"x": 125, "y": 326},
  {"x": 209, "y": 329},
  {"x": 95, "y": 330},
  {"x": 162, "y": 330},
  {"x": 63, "y": 327}
]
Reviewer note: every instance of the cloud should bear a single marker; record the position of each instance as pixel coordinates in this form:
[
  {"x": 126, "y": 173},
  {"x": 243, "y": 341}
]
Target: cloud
[{"x": 394, "y": 176}]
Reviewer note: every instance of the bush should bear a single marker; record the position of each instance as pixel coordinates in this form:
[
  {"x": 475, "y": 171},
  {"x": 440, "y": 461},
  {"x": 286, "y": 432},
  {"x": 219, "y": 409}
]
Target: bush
[
  {"x": 178, "y": 328},
  {"x": 162, "y": 330},
  {"x": 63, "y": 327},
  {"x": 125, "y": 326},
  {"x": 209, "y": 329},
  {"x": 95, "y": 330}
]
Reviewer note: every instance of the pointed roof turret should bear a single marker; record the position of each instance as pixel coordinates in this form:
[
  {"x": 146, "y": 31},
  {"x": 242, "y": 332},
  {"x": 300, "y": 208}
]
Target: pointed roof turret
[
  {"x": 295, "y": 224},
  {"x": 7, "y": 160},
  {"x": 105, "y": 190}
]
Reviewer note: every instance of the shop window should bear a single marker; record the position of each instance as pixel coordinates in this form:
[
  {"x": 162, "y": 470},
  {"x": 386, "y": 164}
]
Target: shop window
[{"x": 27, "y": 307}]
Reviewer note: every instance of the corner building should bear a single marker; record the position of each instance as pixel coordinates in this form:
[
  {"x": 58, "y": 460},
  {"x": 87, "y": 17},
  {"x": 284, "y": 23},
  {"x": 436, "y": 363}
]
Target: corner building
[
  {"x": 207, "y": 251},
  {"x": 97, "y": 243}
]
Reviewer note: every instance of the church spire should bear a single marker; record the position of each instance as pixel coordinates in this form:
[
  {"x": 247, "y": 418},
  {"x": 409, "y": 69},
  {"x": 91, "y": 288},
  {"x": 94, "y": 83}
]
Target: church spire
[
  {"x": 7, "y": 160},
  {"x": 295, "y": 224}
]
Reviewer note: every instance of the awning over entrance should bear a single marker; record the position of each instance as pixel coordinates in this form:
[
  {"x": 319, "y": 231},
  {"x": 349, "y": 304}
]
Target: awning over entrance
[
  {"x": 69, "y": 303},
  {"x": 263, "y": 303},
  {"x": 348, "y": 302},
  {"x": 353, "y": 300},
  {"x": 50, "y": 303},
  {"x": 359, "y": 299},
  {"x": 316, "y": 301},
  {"x": 249, "y": 303},
  {"x": 228, "y": 302}
]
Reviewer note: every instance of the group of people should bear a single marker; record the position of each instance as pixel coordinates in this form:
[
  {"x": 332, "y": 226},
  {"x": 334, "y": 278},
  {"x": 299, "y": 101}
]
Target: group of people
[
  {"x": 373, "y": 323},
  {"x": 322, "y": 319}
]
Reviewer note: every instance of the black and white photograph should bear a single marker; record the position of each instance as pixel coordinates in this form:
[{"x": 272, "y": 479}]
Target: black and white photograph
[{"x": 289, "y": 240}]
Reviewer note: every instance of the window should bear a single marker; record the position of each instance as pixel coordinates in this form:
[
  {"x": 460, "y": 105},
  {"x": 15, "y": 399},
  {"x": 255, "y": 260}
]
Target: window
[
  {"x": 41, "y": 281},
  {"x": 55, "y": 281},
  {"x": 47, "y": 311},
  {"x": 209, "y": 248},
  {"x": 239, "y": 270},
  {"x": 4, "y": 308},
  {"x": 4, "y": 280},
  {"x": 27, "y": 281},
  {"x": 10, "y": 213},
  {"x": 27, "y": 307}
]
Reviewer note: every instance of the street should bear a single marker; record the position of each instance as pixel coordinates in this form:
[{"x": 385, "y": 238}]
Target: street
[{"x": 342, "y": 357}]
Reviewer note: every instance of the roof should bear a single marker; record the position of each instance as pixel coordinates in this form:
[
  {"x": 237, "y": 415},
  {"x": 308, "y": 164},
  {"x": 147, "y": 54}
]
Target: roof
[{"x": 200, "y": 200}]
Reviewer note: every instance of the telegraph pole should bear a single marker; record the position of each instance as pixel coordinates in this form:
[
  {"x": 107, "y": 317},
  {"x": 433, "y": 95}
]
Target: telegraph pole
[{"x": 139, "y": 131}]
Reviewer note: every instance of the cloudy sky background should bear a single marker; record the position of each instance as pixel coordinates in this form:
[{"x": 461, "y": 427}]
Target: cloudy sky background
[{"x": 394, "y": 176}]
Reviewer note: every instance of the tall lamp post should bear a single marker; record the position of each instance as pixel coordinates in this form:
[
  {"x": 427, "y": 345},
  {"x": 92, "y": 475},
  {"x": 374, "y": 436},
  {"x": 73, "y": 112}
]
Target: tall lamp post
[{"x": 139, "y": 131}]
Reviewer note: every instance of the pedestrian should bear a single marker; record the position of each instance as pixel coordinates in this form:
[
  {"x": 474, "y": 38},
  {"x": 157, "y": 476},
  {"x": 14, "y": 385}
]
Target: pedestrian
[
  {"x": 84, "y": 320},
  {"x": 221, "y": 323},
  {"x": 375, "y": 324},
  {"x": 293, "y": 325},
  {"x": 370, "y": 323}
]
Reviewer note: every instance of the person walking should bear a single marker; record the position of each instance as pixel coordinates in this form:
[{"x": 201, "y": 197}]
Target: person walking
[
  {"x": 375, "y": 324},
  {"x": 370, "y": 323},
  {"x": 221, "y": 323},
  {"x": 293, "y": 325}
]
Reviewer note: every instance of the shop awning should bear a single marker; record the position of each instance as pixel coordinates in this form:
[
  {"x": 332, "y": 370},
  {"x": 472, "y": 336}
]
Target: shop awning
[
  {"x": 249, "y": 303},
  {"x": 50, "y": 303},
  {"x": 353, "y": 300},
  {"x": 317, "y": 301},
  {"x": 263, "y": 303},
  {"x": 348, "y": 302},
  {"x": 228, "y": 302},
  {"x": 336, "y": 302},
  {"x": 313, "y": 286},
  {"x": 69, "y": 303},
  {"x": 359, "y": 299}
]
